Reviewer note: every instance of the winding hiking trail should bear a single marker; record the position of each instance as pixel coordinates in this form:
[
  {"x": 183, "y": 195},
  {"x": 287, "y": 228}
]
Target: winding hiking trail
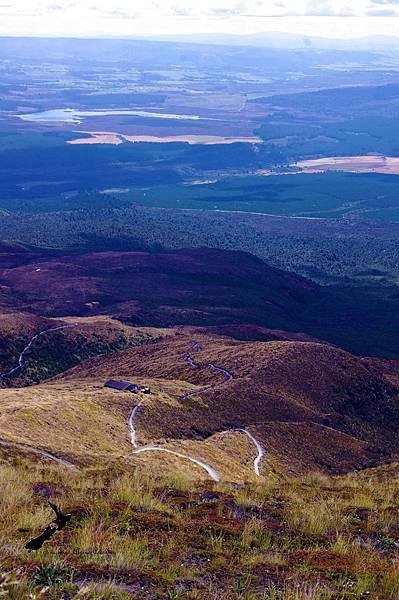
[
  {"x": 133, "y": 434},
  {"x": 256, "y": 443},
  {"x": 21, "y": 360},
  {"x": 211, "y": 471},
  {"x": 39, "y": 452},
  {"x": 139, "y": 449},
  {"x": 21, "y": 446},
  {"x": 228, "y": 376},
  {"x": 260, "y": 449}
]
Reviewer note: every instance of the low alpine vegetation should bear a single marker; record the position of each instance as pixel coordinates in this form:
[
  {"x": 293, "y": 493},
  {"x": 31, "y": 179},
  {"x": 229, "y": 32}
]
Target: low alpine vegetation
[{"x": 133, "y": 536}]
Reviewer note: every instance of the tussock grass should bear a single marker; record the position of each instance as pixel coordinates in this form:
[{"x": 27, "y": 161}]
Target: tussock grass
[
  {"x": 256, "y": 535},
  {"x": 319, "y": 517},
  {"x": 137, "y": 492},
  {"x": 103, "y": 591},
  {"x": 136, "y": 536}
]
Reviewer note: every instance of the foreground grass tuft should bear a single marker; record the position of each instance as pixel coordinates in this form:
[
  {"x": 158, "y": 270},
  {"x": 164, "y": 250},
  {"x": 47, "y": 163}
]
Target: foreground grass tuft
[{"x": 133, "y": 536}]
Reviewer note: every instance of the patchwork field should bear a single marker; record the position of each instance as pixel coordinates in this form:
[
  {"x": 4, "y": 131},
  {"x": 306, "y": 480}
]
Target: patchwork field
[{"x": 387, "y": 165}]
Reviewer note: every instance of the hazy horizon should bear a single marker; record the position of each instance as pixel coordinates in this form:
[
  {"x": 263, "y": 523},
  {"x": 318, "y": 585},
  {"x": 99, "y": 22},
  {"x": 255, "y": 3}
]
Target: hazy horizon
[
  {"x": 334, "y": 19},
  {"x": 162, "y": 34}
]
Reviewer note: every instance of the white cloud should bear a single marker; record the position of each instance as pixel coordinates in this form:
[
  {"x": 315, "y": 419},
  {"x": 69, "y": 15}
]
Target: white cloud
[{"x": 132, "y": 17}]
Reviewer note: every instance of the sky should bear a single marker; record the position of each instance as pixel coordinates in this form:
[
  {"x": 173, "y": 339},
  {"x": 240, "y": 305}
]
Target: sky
[{"x": 325, "y": 18}]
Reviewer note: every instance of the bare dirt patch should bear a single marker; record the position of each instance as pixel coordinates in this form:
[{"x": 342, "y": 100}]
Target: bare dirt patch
[{"x": 355, "y": 164}]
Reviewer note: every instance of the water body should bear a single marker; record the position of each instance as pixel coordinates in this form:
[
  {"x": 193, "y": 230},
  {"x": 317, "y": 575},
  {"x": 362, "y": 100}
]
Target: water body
[{"x": 70, "y": 115}]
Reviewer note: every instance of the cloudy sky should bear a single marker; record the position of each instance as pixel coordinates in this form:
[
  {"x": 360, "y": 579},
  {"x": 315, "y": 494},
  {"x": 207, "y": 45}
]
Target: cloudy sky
[{"x": 329, "y": 18}]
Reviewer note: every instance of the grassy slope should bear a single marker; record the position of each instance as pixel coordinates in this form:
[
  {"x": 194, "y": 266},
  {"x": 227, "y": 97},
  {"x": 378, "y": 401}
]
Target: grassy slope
[
  {"x": 132, "y": 536},
  {"x": 295, "y": 382},
  {"x": 58, "y": 351},
  {"x": 312, "y": 406},
  {"x": 86, "y": 423}
]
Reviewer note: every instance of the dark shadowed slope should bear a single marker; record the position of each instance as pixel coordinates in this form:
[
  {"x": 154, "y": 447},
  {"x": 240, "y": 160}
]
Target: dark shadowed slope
[{"x": 199, "y": 287}]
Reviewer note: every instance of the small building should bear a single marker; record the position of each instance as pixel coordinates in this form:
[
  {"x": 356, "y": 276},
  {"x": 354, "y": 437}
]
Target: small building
[{"x": 123, "y": 386}]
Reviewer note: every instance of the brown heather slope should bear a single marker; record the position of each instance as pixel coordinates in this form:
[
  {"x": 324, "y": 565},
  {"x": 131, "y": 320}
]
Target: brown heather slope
[
  {"x": 250, "y": 333},
  {"x": 309, "y": 402},
  {"x": 190, "y": 286},
  {"x": 389, "y": 368},
  {"x": 55, "y": 350},
  {"x": 199, "y": 287}
]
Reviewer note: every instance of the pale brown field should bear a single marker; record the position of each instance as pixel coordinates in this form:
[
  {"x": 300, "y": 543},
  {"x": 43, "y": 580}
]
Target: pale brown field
[
  {"x": 98, "y": 137},
  {"x": 354, "y": 164},
  {"x": 109, "y": 137},
  {"x": 387, "y": 165}
]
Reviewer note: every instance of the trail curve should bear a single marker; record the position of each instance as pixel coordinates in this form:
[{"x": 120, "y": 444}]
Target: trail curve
[
  {"x": 227, "y": 375},
  {"x": 39, "y": 452},
  {"x": 133, "y": 433},
  {"x": 259, "y": 447},
  {"x": 211, "y": 472},
  {"x": 21, "y": 359}
]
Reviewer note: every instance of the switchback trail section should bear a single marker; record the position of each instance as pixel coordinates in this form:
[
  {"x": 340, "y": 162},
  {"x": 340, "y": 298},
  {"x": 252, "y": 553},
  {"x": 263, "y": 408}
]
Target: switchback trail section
[{"x": 227, "y": 376}]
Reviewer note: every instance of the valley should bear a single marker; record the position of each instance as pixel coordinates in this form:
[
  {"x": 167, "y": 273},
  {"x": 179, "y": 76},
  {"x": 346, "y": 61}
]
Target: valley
[
  {"x": 242, "y": 438},
  {"x": 199, "y": 317}
]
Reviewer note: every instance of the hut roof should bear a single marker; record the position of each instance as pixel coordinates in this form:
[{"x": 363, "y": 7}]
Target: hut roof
[{"x": 119, "y": 384}]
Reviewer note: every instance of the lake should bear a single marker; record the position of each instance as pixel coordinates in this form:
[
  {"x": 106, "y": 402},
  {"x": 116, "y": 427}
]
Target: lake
[{"x": 70, "y": 115}]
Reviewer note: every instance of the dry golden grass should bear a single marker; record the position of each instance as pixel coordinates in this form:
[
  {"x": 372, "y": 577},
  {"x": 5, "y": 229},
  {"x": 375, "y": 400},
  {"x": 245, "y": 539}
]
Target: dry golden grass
[
  {"x": 102, "y": 321},
  {"x": 134, "y": 535},
  {"x": 317, "y": 517},
  {"x": 80, "y": 420}
]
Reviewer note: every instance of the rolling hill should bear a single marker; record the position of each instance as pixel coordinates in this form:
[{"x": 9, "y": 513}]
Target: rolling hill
[
  {"x": 215, "y": 400},
  {"x": 231, "y": 349},
  {"x": 34, "y": 348},
  {"x": 201, "y": 287}
]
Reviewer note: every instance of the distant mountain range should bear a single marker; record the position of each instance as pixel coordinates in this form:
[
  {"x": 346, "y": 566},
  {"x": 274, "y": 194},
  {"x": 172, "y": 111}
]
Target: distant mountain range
[
  {"x": 287, "y": 41},
  {"x": 269, "y": 40}
]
